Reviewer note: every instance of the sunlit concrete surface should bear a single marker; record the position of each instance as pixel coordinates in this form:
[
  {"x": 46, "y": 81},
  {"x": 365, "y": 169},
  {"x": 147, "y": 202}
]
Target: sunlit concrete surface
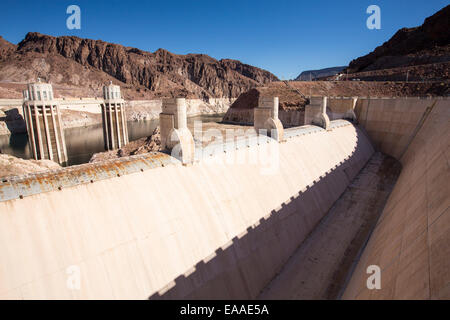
[
  {"x": 220, "y": 229},
  {"x": 205, "y": 230},
  {"x": 411, "y": 241}
]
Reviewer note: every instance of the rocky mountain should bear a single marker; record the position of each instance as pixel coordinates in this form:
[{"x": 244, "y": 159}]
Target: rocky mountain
[
  {"x": 315, "y": 74},
  {"x": 426, "y": 44},
  {"x": 6, "y": 47},
  {"x": 89, "y": 63}
]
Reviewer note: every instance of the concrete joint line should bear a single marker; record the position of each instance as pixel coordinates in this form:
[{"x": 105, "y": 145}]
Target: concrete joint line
[{"x": 419, "y": 126}]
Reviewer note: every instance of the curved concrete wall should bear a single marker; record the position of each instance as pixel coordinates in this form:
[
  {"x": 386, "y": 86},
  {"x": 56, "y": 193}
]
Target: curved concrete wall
[
  {"x": 210, "y": 230},
  {"x": 411, "y": 241}
]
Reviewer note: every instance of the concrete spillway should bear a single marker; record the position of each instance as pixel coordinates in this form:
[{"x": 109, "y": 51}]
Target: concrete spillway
[
  {"x": 224, "y": 229},
  {"x": 411, "y": 241}
]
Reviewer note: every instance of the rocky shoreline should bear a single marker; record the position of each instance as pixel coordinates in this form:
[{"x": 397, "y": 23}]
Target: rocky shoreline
[{"x": 13, "y": 166}]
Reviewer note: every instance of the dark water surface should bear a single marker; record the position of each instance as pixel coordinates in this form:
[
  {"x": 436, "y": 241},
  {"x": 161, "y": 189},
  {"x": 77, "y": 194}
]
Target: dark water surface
[{"x": 83, "y": 142}]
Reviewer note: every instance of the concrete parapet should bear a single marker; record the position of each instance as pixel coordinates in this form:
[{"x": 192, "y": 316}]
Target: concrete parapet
[
  {"x": 316, "y": 112},
  {"x": 175, "y": 135},
  {"x": 266, "y": 118}
]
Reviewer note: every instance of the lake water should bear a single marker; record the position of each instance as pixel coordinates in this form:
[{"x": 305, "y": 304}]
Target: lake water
[{"x": 83, "y": 142}]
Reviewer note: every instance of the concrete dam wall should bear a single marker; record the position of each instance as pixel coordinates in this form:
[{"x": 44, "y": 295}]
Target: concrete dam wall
[
  {"x": 210, "y": 230},
  {"x": 148, "y": 227},
  {"x": 411, "y": 241}
]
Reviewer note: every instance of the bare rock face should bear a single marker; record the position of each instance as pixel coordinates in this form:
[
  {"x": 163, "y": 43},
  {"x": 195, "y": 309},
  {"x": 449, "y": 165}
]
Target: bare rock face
[
  {"x": 151, "y": 143},
  {"x": 161, "y": 72},
  {"x": 140, "y": 146},
  {"x": 6, "y": 48},
  {"x": 12, "y": 166},
  {"x": 428, "y": 43}
]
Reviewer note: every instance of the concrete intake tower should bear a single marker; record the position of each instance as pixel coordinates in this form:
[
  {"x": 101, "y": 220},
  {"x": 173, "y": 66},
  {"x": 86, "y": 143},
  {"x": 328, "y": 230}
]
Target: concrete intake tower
[
  {"x": 115, "y": 131},
  {"x": 44, "y": 126}
]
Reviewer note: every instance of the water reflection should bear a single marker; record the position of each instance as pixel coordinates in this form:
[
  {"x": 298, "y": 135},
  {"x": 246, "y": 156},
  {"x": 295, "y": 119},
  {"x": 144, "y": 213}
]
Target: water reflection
[{"x": 83, "y": 142}]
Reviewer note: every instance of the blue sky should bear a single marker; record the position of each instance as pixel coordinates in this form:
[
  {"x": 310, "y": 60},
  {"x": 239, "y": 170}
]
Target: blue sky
[{"x": 284, "y": 37}]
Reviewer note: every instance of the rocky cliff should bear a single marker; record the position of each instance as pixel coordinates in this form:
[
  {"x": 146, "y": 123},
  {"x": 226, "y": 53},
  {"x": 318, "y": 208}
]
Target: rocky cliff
[
  {"x": 89, "y": 63},
  {"x": 426, "y": 44},
  {"x": 6, "y": 48}
]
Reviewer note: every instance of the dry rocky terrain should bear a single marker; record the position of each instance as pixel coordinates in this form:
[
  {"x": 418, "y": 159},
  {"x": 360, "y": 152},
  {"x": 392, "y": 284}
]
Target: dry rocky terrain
[
  {"x": 423, "y": 52},
  {"x": 12, "y": 166},
  {"x": 84, "y": 65}
]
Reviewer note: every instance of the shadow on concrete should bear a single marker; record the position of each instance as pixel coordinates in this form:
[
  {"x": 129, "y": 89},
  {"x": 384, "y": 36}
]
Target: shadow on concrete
[
  {"x": 14, "y": 121},
  {"x": 18, "y": 138},
  {"x": 242, "y": 268}
]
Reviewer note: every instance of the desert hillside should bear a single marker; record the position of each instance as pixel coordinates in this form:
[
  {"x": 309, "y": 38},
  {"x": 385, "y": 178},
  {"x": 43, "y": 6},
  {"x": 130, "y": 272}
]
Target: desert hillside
[
  {"x": 423, "y": 52},
  {"x": 83, "y": 65}
]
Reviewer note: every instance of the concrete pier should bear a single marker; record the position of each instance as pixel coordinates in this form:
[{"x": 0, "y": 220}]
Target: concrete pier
[
  {"x": 316, "y": 112},
  {"x": 175, "y": 135},
  {"x": 43, "y": 120},
  {"x": 115, "y": 130},
  {"x": 266, "y": 118}
]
